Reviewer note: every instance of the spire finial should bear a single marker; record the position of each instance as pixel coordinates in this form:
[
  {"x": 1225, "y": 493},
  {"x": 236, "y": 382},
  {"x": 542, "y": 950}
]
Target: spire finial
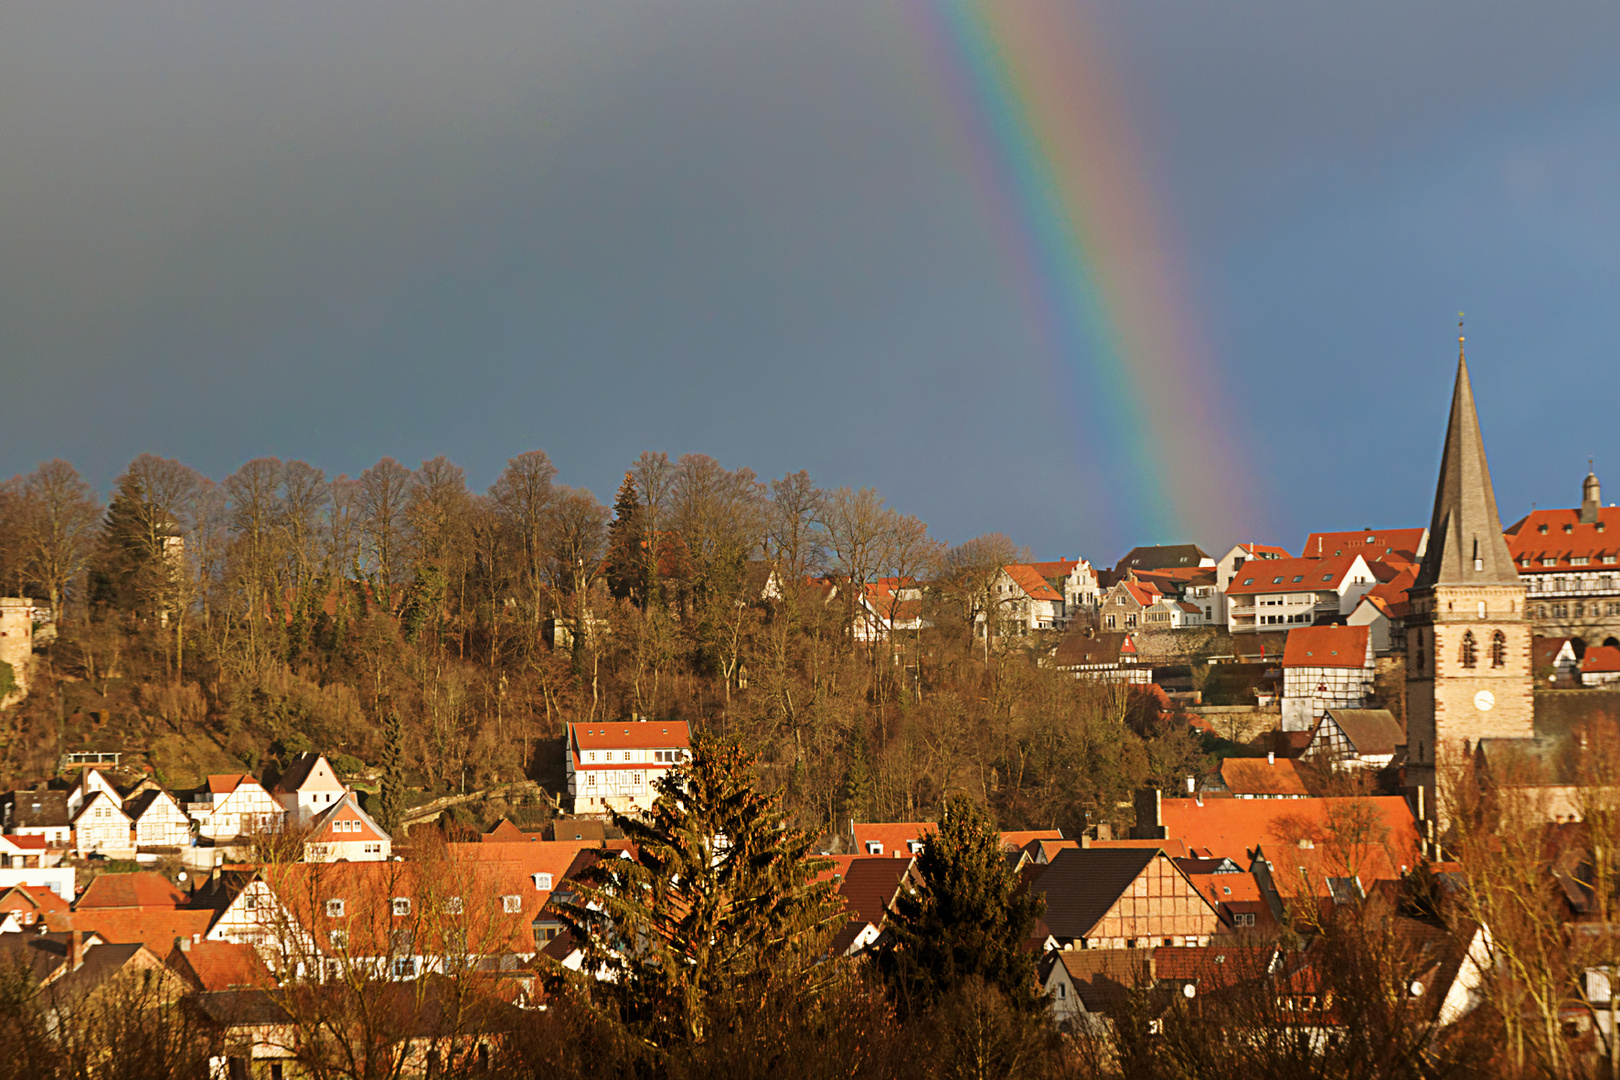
[{"x": 1460, "y": 338}]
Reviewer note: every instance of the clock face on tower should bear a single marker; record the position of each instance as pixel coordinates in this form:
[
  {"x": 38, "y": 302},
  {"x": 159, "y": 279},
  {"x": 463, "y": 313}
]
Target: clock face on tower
[{"x": 1484, "y": 700}]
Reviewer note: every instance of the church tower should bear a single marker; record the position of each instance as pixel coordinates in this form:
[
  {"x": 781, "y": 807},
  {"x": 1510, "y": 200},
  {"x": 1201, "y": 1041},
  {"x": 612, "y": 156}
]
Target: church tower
[{"x": 1468, "y": 637}]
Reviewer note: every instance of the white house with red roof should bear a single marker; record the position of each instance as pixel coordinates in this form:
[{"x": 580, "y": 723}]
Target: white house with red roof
[
  {"x": 308, "y": 788},
  {"x": 613, "y": 766},
  {"x": 102, "y": 828},
  {"x": 1570, "y": 559},
  {"x": 1273, "y": 593},
  {"x": 233, "y": 805},
  {"x": 1325, "y": 667},
  {"x": 344, "y": 832},
  {"x": 1226, "y": 569},
  {"x": 1600, "y": 666},
  {"x": 90, "y": 782},
  {"x": 889, "y": 605},
  {"x": 1026, "y": 601}
]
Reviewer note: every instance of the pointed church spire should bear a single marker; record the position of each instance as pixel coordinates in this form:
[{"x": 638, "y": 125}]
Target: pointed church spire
[{"x": 1465, "y": 534}]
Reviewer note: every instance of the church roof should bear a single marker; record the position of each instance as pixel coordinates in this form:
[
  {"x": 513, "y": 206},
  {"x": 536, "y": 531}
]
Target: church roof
[{"x": 1465, "y": 533}]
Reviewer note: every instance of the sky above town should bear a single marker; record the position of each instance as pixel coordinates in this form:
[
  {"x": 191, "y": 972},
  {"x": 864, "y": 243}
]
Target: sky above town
[{"x": 773, "y": 233}]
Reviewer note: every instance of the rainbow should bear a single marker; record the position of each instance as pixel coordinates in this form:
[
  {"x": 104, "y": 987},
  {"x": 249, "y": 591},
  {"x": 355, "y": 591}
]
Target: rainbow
[{"x": 1062, "y": 182}]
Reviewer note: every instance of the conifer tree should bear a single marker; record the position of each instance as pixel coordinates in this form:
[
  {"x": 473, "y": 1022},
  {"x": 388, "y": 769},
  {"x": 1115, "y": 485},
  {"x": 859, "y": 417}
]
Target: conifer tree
[
  {"x": 391, "y": 792},
  {"x": 968, "y": 920},
  {"x": 719, "y": 907},
  {"x": 626, "y": 564}
]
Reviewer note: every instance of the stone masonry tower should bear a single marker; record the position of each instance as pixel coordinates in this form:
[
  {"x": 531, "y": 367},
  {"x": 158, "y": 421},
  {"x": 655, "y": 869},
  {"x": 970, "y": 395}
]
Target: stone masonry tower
[
  {"x": 17, "y": 643},
  {"x": 1468, "y": 639}
]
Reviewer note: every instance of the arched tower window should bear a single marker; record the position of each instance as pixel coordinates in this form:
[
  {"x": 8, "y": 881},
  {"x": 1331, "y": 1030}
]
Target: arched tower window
[
  {"x": 1470, "y": 651},
  {"x": 1498, "y": 649}
]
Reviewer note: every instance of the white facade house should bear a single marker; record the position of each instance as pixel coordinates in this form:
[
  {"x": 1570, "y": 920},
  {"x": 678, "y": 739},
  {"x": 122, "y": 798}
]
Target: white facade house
[
  {"x": 888, "y": 606},
  {"x": 1167, "y": 613},
  {"x": 1226, "y": 569},
  {"x": 158, "y": 820},
  {"x": 233, "y": 805},
  {"x": 1026, "y": 601},
  {"x": 613, "y": 766},
  {"x": 308, "y": 788},
  {"x": 1275, "y": 594},
  {"x": 90, "y": 782},
  {"x": 39, "y": 812},
  {"x": 1325, "y": 667},
  {"x": 345, "y": 832},
  {"x": 102, "y": 828}
]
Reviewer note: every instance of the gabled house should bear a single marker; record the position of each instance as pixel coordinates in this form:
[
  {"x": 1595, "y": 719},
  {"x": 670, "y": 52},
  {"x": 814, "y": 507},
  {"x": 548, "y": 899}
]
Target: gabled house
[
  {"x": 1325, "y": 667},
  {"x": 90, "y": 782},
  {"x": 233, "y": 805},
  {"x": 1554, "y": 658},
  {"x": 30, "y": 904},
  {"x": 1026, "y": 601},
  {"x": 1570, "y": 560},
  {"x": 1269, "y": 777},
  {"x": 1076, "y": 581},
  {"x": 1084, "y": 986},
  {"x": 1383, "y": 611},
  {"x": 159, "y": 822},
  {"x": 1371, "y": 544},
  {"x": 1170, "y": 614},
  {"x": 209, "y": 966},
  {"x": 869, "y": 887},
  {"x": 21, "y": 852},
  {"x": 343, "y": 831},
  {"x": 1296, "y": 592},
  {"x": 613, "y": 766},
  {"x": 142, "y": 907},
  {"x": 1357, "y": 737},
  {"x": 102, "y": 828},
  {"x": 887, "y": 606},
  {"x": 1117, "y": 898},
  {"x": 309, "y": 787},
  {"x": 1226, "y": 569},
  {"x": 1125, "y": 603}
]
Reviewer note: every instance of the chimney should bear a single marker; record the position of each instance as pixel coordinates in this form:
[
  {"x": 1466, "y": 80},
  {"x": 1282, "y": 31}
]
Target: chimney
[
  {"x": 1271, "y": 757},
  {"x": 1147, "y": 825},
  {"x": 75, "y": 950},
  {"x": 1192, "y": 785},
  {"x": 184, "y": 943}
]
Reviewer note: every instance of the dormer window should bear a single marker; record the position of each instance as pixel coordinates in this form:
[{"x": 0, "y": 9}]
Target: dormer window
[
  {"x": 334, "y": 909},
  {"x": 874, "y": 847},
  {"x": 402, "y": 905},
  {"x": 1542, "y": 529},
  {"x": 1568, "y": 527},
  {"x": 542, "y": 882}
]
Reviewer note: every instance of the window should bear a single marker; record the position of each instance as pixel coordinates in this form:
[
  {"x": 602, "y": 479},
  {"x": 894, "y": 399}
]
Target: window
[
  {"x": 609, "y": 755},
  {"x": 590, "y": 780},
  {"x": 1299, "y": 577},
  {"x": 635, "y": 778},
  {"x": 1541, "y": 529},
  {"x": 593, "y": 755},
  {"x": 511, "y": 904},
  {"x": 402, "y": 905},
  {"x": 374, "y": 849},
  {"x": 405, "y": 967},
  {"x": 1276, "y": 580},
  {"x": 339, "y": 939},
  {"x": 914, "y": 846},
  {"x": 250, "y": 903},
  {"x": 1470, "y": 652},
  {"x": 542, "y": 882},
  {"x": 334, "y": 909},
  {"x": 1243, "y": 918},
  {"x": 1498, "y": 649},
  {"x": 874, "y": 847}
]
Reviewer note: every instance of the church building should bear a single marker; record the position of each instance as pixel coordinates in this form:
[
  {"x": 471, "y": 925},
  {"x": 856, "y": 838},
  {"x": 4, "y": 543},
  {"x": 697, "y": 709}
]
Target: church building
[{"x": 1468, "y": 638}]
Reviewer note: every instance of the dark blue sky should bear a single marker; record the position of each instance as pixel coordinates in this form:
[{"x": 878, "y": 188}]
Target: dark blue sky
[{"x": 744, "y": 229}]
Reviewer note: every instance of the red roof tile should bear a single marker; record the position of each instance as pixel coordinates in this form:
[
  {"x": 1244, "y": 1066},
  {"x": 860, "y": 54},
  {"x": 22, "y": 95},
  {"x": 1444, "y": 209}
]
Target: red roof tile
[
  {"x": 1601, "y": 659},
  {"x": 224, "y": 784},
  {"x": 1370, "y": 543},
  {"x": 631, "y": 734},
  {"x": 1581, "y": 541},
  {"x": 221, "y": 965},
  {"x": 139, "y": 890},
  {"x": 1029, "y": 579},
  {"x": 1326, "y": 646},
  {"x": 894, "y": 836},
  {"x": 1257, "y": 776},
  {"x": 1290, "y": 575}
]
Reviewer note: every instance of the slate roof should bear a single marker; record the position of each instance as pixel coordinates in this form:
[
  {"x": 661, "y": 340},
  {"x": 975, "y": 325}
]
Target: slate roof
[
  {"x": 39, "y": 809},
  {"x": 242, "y": 1008},
  {"x": 1081, "y": 884},
  {"x": 1465, "y": 529},
  {"x": 1371, "y": 731},
  {"x": 1161, "y": 557}
]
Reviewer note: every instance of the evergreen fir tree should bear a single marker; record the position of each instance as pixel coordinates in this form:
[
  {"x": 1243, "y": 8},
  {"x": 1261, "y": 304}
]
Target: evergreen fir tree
[
  {"x": 626, "y": 563},
  {"x": 969, "y": 920},
  {"x": 855, "y": 794},
  {"x": 128, "y": 572},
  {"x": 391, "y": 792},
  {"x": 720, "y": 908}
]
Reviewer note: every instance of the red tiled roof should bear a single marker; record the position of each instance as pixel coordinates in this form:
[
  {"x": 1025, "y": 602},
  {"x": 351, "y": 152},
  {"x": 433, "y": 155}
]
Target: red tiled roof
[
  {"x": 1369, "y": 836},
  {"x": 1059, "y": 568},
  {"x": 631, "y": 734},
  {"x": 224, "y": 784},
  {"x": 1290, "y": 575},
  {"x": 1526, "y": 540},
  {"x": 221, "y": 965},
  {"x": 1370, "y": 543},
  {"x": 156, "y": 928},
  {"x": 1257, "y": 776},
  {"x": 31, "y": 898},
  {"x": 1265, "y": 551},
  {"x": 1601, "y": 658},
  {"x": 1326, "y": 646},
  {"x": 1012, "y": 841},
  {"x": 895, "y": 836},
  {"x": 139, "y": 890},
  {"x": 1031, "y": 580},
  {"x": 33, "y": 843}
]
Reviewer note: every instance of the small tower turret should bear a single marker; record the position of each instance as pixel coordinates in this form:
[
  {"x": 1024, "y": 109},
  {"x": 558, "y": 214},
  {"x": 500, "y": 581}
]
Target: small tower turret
[{"x": 1591, "y": 497}]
